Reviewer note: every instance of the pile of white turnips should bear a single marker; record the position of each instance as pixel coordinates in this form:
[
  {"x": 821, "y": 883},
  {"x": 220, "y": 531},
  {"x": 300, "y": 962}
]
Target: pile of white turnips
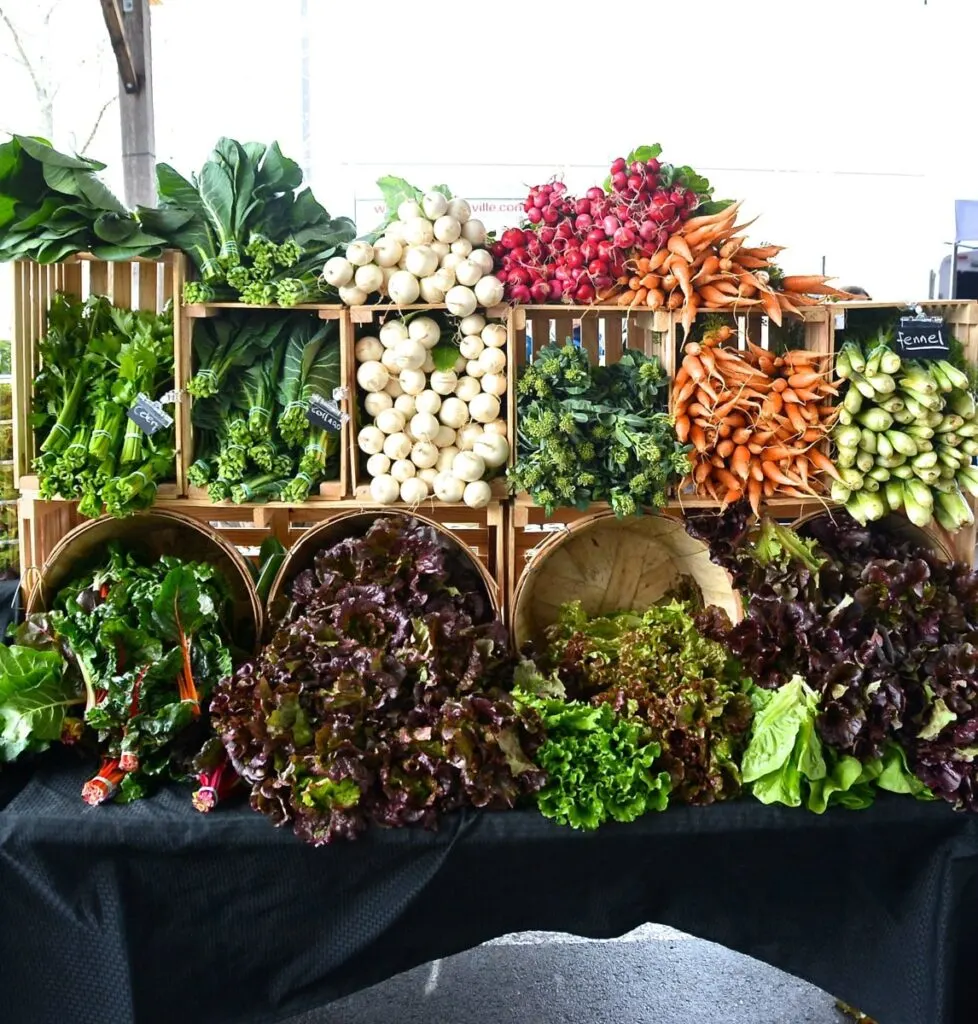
[
  {"x": 434, "y": 252},
  {"x": 433, "y": 432}
]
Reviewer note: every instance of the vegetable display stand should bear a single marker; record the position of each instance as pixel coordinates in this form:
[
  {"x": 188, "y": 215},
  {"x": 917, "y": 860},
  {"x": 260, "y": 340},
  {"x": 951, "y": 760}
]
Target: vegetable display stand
[
  {"x": 474, "y": 546},
  {"x": 433, "y": 412},
  {"x": 149, "y": 535},
  {"x": 610, "y": 565},
  {"x": 325, "y": 491},
  {"x": 138, "y": 284}
]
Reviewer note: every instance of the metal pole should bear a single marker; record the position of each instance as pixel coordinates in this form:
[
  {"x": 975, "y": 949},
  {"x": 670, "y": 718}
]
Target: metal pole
[
  {"x": 136, "y": 109},
  {"x": 306, "y": 91},
  {"x": 952, "y": 286}
]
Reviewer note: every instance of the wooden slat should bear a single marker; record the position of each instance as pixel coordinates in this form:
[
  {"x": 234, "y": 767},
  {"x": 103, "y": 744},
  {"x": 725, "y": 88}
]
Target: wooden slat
[
  {"x": 98, "y": 282},
  {"x": 147, "y": 287},
  {"x": 72, "y": 279},
  {"x": 539, "y": 331},
  {"x": 589, "y": 337},
  {"x": 174, "y": 271},
  {"x": 563, "y": 330},
  {"x": 612, "y": 337},
  {"x": 120, "y": 284},
  {"x": 168, "y": 286}
]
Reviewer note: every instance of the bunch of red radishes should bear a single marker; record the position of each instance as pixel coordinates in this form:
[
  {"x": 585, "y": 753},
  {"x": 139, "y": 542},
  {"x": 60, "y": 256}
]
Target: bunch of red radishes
[{"x": 574, "y": 250}]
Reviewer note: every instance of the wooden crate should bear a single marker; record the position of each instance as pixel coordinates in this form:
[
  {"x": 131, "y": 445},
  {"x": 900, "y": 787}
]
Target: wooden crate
[
  {"x": 132, "y": 284},
  {"x": 961, "y": 320},
  {"x": 367, "y": 321},
  {"x": 328, "y": 490},
  {"x": 44, "y": 523},
  {"x": 960, "y": 315},
  {"x": 604, "y": 332}
]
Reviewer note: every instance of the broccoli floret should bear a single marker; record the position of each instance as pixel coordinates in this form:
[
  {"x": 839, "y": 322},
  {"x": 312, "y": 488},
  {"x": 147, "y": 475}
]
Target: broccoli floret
[
  {"x": 623, "y": 505},
  {"x": 566, "y": 423},
  {"x": 585, "y": 451},
  {"x": 586, "y": 479},
  {"x": 619, "y": 454}
]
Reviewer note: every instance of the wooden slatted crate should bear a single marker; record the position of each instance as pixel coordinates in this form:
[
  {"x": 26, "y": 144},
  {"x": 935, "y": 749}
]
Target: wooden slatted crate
[
  {"x": 961, "y": 321},
  {"x": 328, "y": 490},
  {"x": 367, "y": 321},
  {"x": 132, "y": 284},
  {"x": 44, "y": 523}
]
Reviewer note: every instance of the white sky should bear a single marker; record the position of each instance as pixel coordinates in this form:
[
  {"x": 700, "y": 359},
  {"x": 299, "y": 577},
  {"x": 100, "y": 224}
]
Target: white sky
[{"x": 847, "y": 125}]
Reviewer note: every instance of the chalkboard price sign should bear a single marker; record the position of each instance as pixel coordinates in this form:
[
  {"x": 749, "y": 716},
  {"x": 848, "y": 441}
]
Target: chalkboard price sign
[
  {"x": 324, "y": 413},
  {"x": 922, "y": 338},
  {"x": 148, "y": 415}
]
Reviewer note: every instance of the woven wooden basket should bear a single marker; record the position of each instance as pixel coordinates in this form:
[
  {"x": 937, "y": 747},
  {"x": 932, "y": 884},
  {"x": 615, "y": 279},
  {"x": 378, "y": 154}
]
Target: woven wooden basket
[
  {"x": 150, "y": 535},
  {"x": 611, "y": 565},
  {"x": 355, "y": 524}
]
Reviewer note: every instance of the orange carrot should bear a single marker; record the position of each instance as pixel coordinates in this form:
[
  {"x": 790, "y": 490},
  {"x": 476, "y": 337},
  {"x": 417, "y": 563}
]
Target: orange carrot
[
  {"x": 754, "y": 495},
  {"x": 740, "y": 462},
  {"x": 698, "y": 438},
  {"x": 679, "y": 247},
  {"x": 822, "y": 462},
  {"x": 682, "y": 427}
]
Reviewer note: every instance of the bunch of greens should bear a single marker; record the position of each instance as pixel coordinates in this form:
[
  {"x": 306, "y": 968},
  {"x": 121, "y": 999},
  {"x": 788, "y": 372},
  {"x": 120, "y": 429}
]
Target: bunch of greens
[
  {"x": 599, "y": 764},
  {"x": 145, "y": 643},
  {"x": 95, "y": 360},
  {"x": 382, "y": 695},
  {"x": 595, "y": 433},
  {"x": 246, "y": 225},
  {"x": 786, "y": 761},
  {"x": 686, "y": 689},
  {"x": 883, "y": 632},
  {"x": 256, "y": 376},
  {"x": 53, "y": 205}
]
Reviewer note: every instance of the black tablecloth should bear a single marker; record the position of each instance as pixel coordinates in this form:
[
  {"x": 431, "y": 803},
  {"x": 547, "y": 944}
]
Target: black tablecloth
[{"x": 154, "y": 913}]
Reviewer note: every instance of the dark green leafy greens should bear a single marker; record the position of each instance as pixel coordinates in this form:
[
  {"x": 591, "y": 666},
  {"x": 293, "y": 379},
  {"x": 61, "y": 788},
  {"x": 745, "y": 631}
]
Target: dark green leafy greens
[
  {"x": 95, "y": 360},
  {"x": 256, "y": 376},
  {"x": 251, "y": 231},
  {"x": 595, "y": 433},
  {"x": 145, "y": 643},
  {"x": 52, "y": 206},
  {"x": 382, "y": 696}
]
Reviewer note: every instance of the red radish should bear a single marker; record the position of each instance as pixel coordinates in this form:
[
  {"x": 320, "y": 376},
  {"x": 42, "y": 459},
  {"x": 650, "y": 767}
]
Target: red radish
[
  {"x": 520, "y": 293},
  {"x": 533, "y": 215},
  {"x": 582, "y": 222},
  {"x": 584, "y": 293},
  {"x": 618, "y": 164},
  {"x": 595, "y": 193},
  {"x": 547, "y": 235},
  {"x": 624, "y": 238},
  {"x": 540, "y": 291},
  {"x": 619, "y": 180},
  {"x": 610, "y": 225}
]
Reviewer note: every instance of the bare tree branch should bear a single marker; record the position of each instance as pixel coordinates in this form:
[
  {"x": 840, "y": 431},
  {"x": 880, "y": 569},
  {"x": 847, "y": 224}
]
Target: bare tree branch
[
  {"x": 91, "y": 135},
  {"x": 39, "y": 87},
  {"x": 47, "y": 17}
]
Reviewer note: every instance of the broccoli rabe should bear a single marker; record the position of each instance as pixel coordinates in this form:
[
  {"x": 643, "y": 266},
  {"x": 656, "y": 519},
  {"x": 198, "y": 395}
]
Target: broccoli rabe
[{"x": 595, "y": 433}]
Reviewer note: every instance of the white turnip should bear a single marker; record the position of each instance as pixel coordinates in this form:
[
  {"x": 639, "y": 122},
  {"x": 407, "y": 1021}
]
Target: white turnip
[
  {"x": 372, "y": 375},
  {"x": 468, "y": 466},
  {"x": 443, "y": 382},
  {"x": 484, "y": 408},
  {"x": 460, "y": 210},
  {"x": 453, "y": 413},
  {"x": 376, "y": 402},
  {"x": 477, "y": 494},
  {"x": 414, "y": 491},
  {"x": 448, "y": 488},
  {"x": 378, "y": 465},
  {"x": 338, "y": 271},
  {"x": 403, "y": 288},
  {"x": 368, "y": 349},
  {"x": 384, "y": 489},
  {"x": 489, "y": 290},
  {"x": 461, "y": 301},
  {"x": 474, "y": 231},
  {"x": 447, "y": 229},
  {"x": 360, "y": 253},
  {"x": 371, "y": 440}
]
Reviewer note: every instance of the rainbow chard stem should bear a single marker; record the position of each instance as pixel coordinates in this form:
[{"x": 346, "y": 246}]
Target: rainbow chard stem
[
  {"x": 102, "y": 786},
  {"x": 216, "y": 784}
]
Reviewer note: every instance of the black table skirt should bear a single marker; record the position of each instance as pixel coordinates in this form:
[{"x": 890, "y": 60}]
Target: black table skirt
[{"x": 155, "y": 913}]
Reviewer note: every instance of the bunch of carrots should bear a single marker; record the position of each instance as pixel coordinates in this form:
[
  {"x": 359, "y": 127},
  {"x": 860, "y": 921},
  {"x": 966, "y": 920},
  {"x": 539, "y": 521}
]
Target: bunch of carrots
[
  {"x": 755, "y": 420},
  {"x": 708, "y": 265}
]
